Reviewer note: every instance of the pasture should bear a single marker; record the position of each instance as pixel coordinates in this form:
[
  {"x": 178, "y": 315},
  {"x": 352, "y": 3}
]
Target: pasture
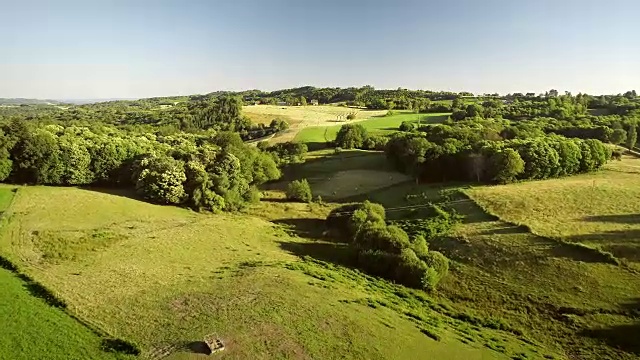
[
  {"x": 596, "y": 209},
  {"x": 165, "y": 277},
  {"x": 301, "y": 117},
  {"x": 519, "y": 256},
  {"x": 380, "y": 125},
  {"x": 32, "y": 328}
]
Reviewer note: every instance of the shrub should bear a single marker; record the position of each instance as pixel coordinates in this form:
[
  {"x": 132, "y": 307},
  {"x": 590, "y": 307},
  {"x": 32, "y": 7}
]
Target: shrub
[
  {"x": 616, "y": 155},
  {"x": 375, "y": 143},
  {"x": 406, "y": 126},
  {"x": 440, "y": 264},
  {"x": 351, "y": 117},
  {"x": 345, "y": 221},
  {"x": 410, "y": 270},
  {"x": 299, "y": 190},
  {"x": 387, "y": 238}
]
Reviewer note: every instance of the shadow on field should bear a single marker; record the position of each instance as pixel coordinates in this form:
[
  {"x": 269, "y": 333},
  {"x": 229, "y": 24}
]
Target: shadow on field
[
  {"x": 624, "y": 337},
  {"x": 621, "y": 219},
  {"x": 305, "y": 228},
  {"x": 127, "y": 193},
  {"x": 317, "y": 145},
  {"x": 336, "y": 253},
  {"x": 621, "y": 243}
]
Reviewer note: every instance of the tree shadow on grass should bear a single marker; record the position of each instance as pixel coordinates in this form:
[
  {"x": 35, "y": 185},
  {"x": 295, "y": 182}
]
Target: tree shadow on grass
[
  {"x": 621, "y": 243},
  {"x": 305, "y": 228},
  {"x": 129, "y": 193},
  {"x": 624, "y": 337},
  {"x": 337, "y": 253},
  {"x": 621, "y": 219}
]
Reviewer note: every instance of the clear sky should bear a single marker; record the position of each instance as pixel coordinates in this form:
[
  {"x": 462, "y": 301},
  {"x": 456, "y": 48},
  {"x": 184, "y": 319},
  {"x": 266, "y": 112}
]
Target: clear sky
[{"x": 127, "y": 49}]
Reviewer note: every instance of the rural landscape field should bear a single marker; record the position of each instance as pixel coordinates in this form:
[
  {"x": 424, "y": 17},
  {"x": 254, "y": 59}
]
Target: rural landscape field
[{"x": 447, "y": 227}]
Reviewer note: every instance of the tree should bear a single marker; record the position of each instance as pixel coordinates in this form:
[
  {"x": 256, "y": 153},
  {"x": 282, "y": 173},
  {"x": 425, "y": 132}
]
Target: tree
[
  {"x": 351, "y": 136},
  {"x": 632, "y": 136},
  {"x": 303, "y": 101},
  {"x": 506, "y": 166},
  {"x": 279, "y": 124},
  {"x": 160, "y": 179},
  {"x": 299, "y": 190},
  {"x": 618, "y": 136}
]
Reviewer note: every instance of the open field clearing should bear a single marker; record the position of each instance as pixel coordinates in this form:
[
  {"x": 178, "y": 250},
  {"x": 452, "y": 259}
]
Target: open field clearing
[
  {"x": 300, "y": 117},
  {"x": 380, "y": 125},
  {"x": 165, "y": 277}
]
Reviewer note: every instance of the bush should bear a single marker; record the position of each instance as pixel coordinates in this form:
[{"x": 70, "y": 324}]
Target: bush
[
  {"x": 375, "y": 143},
  {"x": 439, "y": 264},
  {"x": 299, "y": 190},
  {"x": 351, "y": 117},
  {"x": 406, "y": 126},
  {"x": 345, "y": 221},
  {"x": 387, "y": 238}
]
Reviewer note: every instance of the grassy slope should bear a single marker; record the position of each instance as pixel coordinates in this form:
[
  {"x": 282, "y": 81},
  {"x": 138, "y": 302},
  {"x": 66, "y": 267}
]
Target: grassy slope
[
  {"x": 164, "y": 277},
  {"x": 376, "y": 125},
  {"x": 594, "y": 209},
  {"x": 33, "y": 329},
  {"x": 562, "y": 295}
]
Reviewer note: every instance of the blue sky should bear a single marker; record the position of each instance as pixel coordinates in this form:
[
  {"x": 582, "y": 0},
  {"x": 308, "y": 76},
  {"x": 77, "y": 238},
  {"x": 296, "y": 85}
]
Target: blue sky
[{"x": 127, "y": 49}]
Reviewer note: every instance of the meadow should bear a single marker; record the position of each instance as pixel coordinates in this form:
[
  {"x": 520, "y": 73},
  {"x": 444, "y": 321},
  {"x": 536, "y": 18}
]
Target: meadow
[
  {"x": 536, "y": 255},
  {"x": 380, "y": 125},
  {"x": 33, "y": 327},
  {"x": 164, "y": 278}
]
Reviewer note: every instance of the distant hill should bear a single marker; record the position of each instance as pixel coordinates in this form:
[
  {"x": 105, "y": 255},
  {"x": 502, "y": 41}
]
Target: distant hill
[
  {"x": 92, "y": 101},
  {"x": 21, "y": 101}
]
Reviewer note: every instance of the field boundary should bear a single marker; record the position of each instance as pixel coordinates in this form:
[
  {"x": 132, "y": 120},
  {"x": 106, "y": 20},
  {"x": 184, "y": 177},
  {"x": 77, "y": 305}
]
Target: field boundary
[
  {"x": 37, "y": 289},
  {"x": 601, "y": 255}
]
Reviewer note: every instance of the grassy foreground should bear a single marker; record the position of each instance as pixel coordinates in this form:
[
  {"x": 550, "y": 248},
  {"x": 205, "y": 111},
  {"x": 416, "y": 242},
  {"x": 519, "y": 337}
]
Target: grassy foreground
[
  {"x": 32, "y": 328},
  {"x": 165, "y": 277}
]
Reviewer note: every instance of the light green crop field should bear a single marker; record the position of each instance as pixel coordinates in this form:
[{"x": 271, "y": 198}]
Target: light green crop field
[
  {"x": 165, "y": 277},
  {"x": 380, "y": 125}
]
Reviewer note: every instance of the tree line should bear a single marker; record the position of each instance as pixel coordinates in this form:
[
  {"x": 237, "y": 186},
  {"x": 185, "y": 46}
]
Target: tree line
[{"x": 211, "y": 170}]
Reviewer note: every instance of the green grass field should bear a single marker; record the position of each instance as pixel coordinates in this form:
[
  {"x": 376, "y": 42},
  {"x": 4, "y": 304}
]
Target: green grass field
[
  {"x": 32, "y": 329},
  {"x": 380, "y": 125},
  {"x": 270, "y": 285},
  {"x": 165, "y": 277},
  {"x": 515, "y": 259}
]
